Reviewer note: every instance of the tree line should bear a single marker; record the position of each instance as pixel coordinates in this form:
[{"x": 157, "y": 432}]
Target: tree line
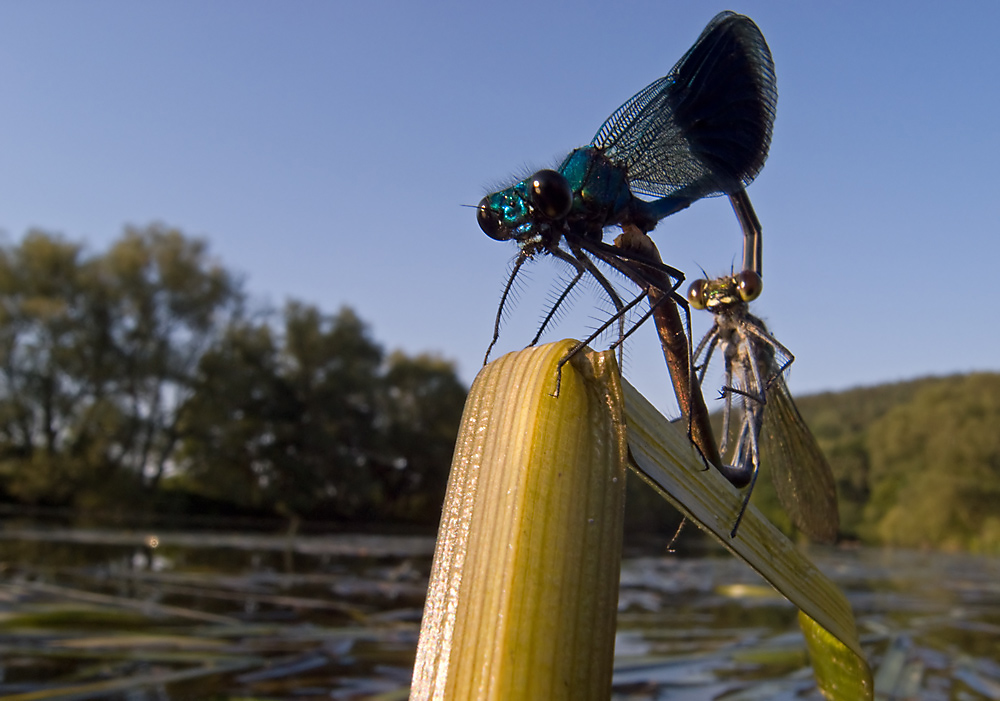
[
  {"x": 141, "y": 377},
  {"x": 917, "y": 463}
]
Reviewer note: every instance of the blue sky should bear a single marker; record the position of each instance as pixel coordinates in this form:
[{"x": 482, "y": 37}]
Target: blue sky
[{"x": 325, "y": 149}]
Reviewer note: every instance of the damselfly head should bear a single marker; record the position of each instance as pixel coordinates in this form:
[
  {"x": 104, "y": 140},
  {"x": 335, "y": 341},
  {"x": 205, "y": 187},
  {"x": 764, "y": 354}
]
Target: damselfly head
[
  {"x": 725, "y": 291},
  {"x": 527, "y": 209}
]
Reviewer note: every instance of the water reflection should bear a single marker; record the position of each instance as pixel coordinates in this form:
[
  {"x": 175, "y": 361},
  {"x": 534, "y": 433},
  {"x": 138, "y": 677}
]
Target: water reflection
[{"x": 117, "y": 614}]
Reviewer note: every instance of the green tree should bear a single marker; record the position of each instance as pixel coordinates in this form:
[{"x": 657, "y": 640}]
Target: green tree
[
  {"x": 170, "y": 302},
  {"x": 233, "y": 421},
  {"x": 97, "y": 356},
  {"x": 331, "y": 365},
  {"x": 422, "y": 402},
  {"x": 841, "y": 422},
  {"x": 319, "y": 424},
  {"x": 55, "y": 363},
  {"x": 935, "y": 467},
  {"x": 119, "y": 368}
]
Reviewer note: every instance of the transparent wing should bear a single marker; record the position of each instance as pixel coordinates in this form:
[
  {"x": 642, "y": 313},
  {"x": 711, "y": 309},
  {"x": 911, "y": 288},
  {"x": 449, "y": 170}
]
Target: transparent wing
[
  {"x": 799, "y": 470},
  {"x": 704, "y": 128}
]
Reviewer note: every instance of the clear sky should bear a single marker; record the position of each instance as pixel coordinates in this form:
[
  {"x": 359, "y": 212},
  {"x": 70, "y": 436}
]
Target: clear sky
[{"x": 325, "y": 149}]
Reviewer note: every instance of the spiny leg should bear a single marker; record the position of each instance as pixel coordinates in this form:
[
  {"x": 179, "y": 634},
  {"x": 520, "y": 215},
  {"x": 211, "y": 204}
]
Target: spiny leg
[
  {"x": 601, "y": 329},
  {"x": 555, "y": 306},
  {"x": 711, "y": 340},
  {"x": 579, "y": 255},
  {"x": 519, "y": 261},
  {"x": 635, "y": 327},
  {"x": 580, "y": 261}
]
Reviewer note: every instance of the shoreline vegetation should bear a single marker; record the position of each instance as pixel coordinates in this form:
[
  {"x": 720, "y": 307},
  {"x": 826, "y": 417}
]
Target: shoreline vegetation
[{"x": 140, "y": 385}]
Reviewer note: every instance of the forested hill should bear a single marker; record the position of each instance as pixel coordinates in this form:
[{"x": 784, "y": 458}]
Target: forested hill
[{"x": 917, "y": 464}]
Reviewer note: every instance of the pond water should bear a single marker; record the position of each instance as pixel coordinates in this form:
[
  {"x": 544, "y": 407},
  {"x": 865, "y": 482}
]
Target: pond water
[{"x": 88, "y": 614}]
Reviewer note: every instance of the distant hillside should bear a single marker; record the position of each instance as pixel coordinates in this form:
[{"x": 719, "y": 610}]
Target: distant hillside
[{"x": 917, "y": 463}]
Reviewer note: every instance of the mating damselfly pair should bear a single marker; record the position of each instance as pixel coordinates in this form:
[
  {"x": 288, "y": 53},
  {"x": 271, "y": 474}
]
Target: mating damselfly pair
[{"x": 704, "y": 129}]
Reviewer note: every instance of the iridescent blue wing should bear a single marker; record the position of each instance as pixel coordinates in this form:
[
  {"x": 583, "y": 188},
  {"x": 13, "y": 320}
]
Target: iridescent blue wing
[{"x": 704, "y": 128}]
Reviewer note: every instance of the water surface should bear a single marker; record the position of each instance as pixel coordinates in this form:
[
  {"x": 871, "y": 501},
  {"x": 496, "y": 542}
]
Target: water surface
[{"x": 169, "y": 615}]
